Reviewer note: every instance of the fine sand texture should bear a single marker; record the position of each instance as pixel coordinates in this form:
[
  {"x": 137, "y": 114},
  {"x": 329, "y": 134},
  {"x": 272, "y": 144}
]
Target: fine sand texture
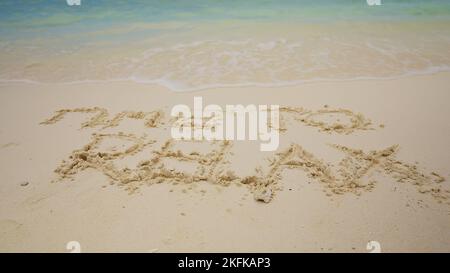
[{"x": 358, "y": 161}]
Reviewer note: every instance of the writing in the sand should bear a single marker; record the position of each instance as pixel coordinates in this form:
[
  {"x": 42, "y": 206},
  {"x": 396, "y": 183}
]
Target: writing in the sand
[{"x": 132, "y": 160}]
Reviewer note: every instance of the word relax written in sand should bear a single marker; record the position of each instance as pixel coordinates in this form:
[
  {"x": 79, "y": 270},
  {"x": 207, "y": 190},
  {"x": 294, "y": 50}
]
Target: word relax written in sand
[
  {"x": 150, "y": 154},
  {"x": 213, "y": 128}
]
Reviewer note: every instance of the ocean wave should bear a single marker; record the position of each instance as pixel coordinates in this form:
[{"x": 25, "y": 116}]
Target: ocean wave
[{"x": 219, "y": 63}]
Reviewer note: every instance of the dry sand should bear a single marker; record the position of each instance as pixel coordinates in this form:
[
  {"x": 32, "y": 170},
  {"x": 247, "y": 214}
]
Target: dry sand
[{"x": 95, "y": 163}]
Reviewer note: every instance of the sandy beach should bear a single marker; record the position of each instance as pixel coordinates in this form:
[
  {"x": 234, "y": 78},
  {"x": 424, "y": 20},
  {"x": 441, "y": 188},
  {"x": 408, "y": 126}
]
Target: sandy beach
[
  {"x": 224, "y": 126},
  {"x": 358, "y": 161}
]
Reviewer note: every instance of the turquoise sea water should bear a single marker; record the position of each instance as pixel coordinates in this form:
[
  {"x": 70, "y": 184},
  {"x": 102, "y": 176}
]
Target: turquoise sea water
[
  {"x": 195, "y": 44},
  {"x": 39, "y": 17}
]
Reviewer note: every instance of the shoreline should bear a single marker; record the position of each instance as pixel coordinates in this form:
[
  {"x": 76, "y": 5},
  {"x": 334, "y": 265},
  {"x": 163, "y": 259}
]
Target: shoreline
[{"x": 295, "y": 84}]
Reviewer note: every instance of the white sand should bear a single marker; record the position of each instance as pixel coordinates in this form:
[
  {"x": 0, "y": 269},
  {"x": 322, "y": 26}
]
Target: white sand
[{"x": 43, "y": 216}]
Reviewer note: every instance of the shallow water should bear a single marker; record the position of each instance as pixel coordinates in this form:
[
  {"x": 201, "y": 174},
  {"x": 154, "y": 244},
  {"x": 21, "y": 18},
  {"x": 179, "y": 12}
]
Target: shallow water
[{"x": 189, "y": 45}]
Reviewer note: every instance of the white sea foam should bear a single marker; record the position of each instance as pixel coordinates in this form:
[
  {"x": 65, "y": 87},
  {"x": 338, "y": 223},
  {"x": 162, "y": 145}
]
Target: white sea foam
[{"x": 236, "y": 63}]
